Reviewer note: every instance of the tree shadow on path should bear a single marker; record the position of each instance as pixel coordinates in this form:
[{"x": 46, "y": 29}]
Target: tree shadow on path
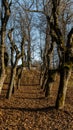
[{"x": 43, "y": 109}]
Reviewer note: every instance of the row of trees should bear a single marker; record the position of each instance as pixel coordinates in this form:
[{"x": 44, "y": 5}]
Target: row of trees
[
  {"x": 58, "y": 16},
  {"x": 15, "y": 32},
  {"x": 18, "y": 30},
  {"x": 64, "y": 43},
  {"x": 5, "y": 15}
]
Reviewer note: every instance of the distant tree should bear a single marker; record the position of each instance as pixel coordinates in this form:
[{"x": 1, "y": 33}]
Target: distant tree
[
  {"x": 29, "y": 27},
  {"x": 45, "y": 78}
]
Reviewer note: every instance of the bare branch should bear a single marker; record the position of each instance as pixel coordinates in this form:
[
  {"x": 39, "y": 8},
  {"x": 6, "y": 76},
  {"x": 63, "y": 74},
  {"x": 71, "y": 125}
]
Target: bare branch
[
  {"x": 33, "y": 11},
  {"x": 12, "y": 42}
]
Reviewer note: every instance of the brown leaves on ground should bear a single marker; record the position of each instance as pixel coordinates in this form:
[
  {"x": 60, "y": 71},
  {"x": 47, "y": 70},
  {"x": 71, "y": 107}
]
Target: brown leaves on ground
[{"x": 28, "y": 109}]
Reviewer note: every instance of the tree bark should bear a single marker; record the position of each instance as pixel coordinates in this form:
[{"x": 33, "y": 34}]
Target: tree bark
[
  {"x": 3, "y": 75},
  {"x": 19, "y": 77},
  {"x": 2, "y": 79},
  {"x": 64, "y": 78},
  {"x": 11, "y": 85},
  {"x": 42, "y": 78},
  {"x": 29, "y": 51},
  {"x": 5, "y": 14}
]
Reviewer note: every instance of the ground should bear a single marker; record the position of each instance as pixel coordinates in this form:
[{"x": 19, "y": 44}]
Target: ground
[{"x": 28, "y": 109}]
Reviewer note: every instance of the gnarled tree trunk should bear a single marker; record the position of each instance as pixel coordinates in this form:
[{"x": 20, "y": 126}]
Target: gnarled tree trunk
[
  {"x": 5, "y": 14},
  {"x": 64, "y": 78}
]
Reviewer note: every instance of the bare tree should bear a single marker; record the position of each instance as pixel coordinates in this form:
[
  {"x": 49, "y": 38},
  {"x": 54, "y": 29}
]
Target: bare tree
[
  {"x": 65, "y": 72},
  {"x": 58, "y": 37},
  {"x": 5, "y": 14},
  {"x": 12, "y": 84}
]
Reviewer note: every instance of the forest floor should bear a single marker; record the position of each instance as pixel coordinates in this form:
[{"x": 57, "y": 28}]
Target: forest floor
[{"x": 28, "y": 109}]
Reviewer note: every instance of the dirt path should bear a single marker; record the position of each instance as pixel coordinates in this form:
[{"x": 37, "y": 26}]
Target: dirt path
[{"x": 28, "y": 109}]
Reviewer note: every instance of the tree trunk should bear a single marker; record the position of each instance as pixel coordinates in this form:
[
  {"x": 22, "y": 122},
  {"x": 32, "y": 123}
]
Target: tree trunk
[
  {"x": 42, "y": 79},
  {"x": 12, "y": 52},
  {"x": 28, "y": 60},
  {"x": 3, "y": 75},
  {"x": 18, "y": 84},
  {"x": 2, "y": 79},
  {"x": 11, "y": 85},
  {"x": 45, "y": 84},
  {"x": 5, "y": 14},
  {"x": 29, "y": 52},
  {"x": 64, "y": 78},
  {"x": 19, "y": 78},
  {"x": 48, "y": 89},
  {"x": 23, "y": 51}
]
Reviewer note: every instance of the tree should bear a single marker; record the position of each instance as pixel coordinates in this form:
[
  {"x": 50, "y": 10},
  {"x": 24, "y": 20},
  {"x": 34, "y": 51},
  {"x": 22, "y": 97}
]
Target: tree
[
  {"x": 65, "y": 73},
  {"x": 12, "y": 84},
  {"x": 46, "y": 76},
  {"x": 5, "y": 14}
]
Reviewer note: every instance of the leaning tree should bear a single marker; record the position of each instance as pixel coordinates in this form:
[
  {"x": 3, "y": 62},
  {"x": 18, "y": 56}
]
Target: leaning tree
[{"x": 18, "y": 55}]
